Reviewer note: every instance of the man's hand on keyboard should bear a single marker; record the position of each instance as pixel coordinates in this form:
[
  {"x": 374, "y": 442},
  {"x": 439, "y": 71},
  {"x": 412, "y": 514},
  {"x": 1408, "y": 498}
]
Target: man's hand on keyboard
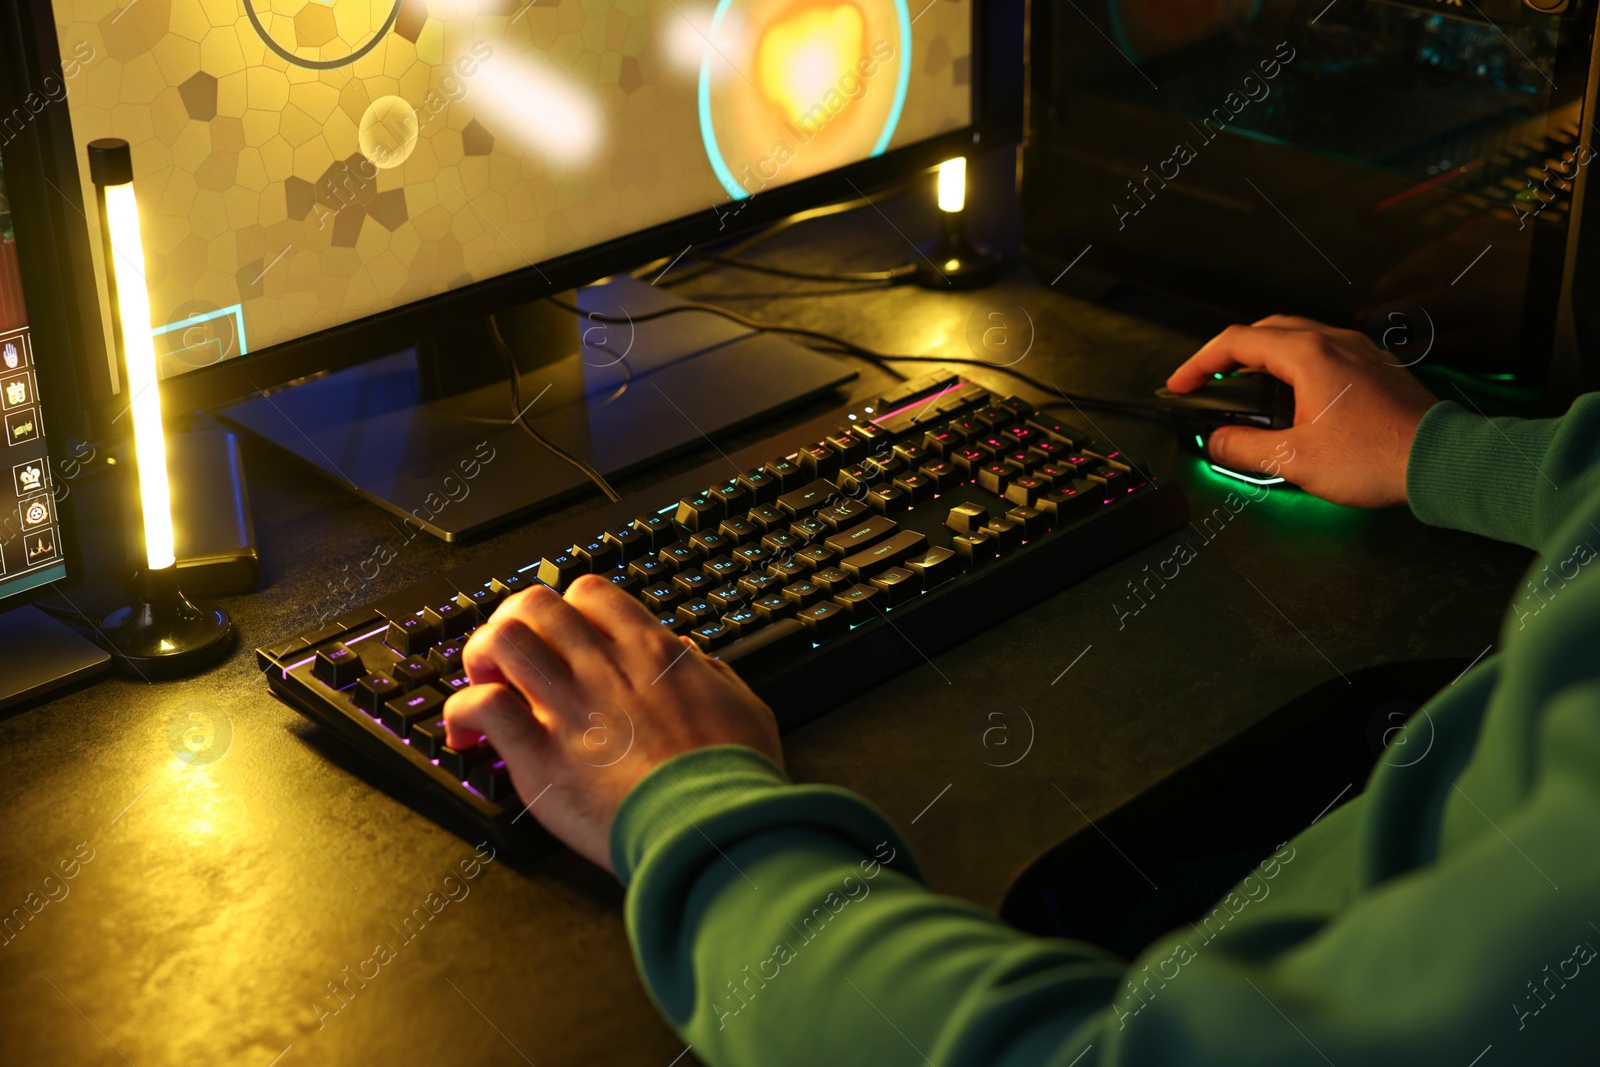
[
  {"x": 585, "y": 694},
  {"x": 1356, "y": 409}
]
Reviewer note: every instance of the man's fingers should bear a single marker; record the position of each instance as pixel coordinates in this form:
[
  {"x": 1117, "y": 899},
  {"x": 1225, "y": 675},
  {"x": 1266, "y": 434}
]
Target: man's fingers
[
  {"x": 1280, "y": 352},
  {"x": 1247, "y": 450},
  {"x": 610, "y": 610},
  {"x": 498, "y": 713},
  {"x": 507, "y": 650},
  {"x": 559, "y": 625}
]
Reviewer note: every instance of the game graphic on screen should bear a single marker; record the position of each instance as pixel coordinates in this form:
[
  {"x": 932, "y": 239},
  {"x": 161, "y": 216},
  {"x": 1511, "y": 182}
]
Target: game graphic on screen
[
  {"x": 305, "y": 163},
  {"x": 30, "y": 536}
]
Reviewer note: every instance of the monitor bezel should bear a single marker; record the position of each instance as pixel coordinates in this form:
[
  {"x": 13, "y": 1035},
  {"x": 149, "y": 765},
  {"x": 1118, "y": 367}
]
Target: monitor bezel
[
  {"x": 55, "y": 360},
  {"x": 67, "y": 273}
]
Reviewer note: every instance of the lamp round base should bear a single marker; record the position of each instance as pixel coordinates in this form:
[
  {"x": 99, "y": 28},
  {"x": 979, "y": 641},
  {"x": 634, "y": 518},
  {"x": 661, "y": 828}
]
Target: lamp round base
[
  {"x": 168, "y": 636},
  {"x": 956, "y": 263}
]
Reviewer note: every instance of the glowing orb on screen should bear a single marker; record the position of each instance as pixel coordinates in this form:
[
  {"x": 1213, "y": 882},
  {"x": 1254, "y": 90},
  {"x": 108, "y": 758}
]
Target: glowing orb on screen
[
  {"x": 802, "y": 57},
  {"x": 793, "y": 88}
]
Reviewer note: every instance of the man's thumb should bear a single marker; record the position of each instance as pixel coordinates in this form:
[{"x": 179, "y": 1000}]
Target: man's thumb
[{"x": 1240, "y": 448}]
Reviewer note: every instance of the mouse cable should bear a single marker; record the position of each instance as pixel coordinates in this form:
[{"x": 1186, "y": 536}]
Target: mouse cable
[
  {"x": 849, "y": 347},
  {"x": 881, "y": 360},
  {"x": 519, "y": 415}
]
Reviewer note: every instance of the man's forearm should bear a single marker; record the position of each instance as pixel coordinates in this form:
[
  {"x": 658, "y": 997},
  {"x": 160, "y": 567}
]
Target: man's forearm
[{"x": 1511, "y": 479}]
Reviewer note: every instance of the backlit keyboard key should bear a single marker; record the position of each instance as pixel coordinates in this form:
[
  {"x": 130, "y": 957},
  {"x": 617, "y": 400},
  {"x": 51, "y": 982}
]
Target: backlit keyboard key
[
  {"x": 819, "y": 461},
  {"x": 409, "y": 635},
  {"x": 898, "y": 585},
  {"x": 824, "y": 620},
  {"x": 975, "y": 549},
  {"x": 561, "y": 570},
  {"x": 650, "y": 570},
  {"x": 446, "y": 657},
  {"x": 701, "y": 512},
  {"x": 373, "y": 691},
  {"x": 807, "y": 498},
  {"x": 712, "y": 636},
  {"x": 787, "y": 473},
  {"x": 414, "y": 671},
  {"x": 760, "y": 584},
  {"x": 832, "y": 579},
  {"x": 804, "y": 593},
  {"x": 743, "y": 621},
  {"x": 858, "y": 600},
  {"x": 678, "y": 556},
  {"x": 753, "y": 557},
  {"x": 460, "y": 763},
  {"x": 858, "y": 537},
  {"x": 774, "y": 606},
  {"x": 761, "y": 486},
  {"x": 657, "y": 530},
  {"x": 691, "y": 582},
  {"x": 935, "y": 566},
  {"x": 600, "y": 555},
  {"x": 817, "y": 556},
  {"x": 709, "y": 543},
  {"x": 842, "y": 513},
  {"x": 629, "y": 543},
  {"x": 337, "y": 666},
  {"x": 492, "y": 779},
  {"x": 661, "y": 596},
  {"x": 427, "y": 737},
  {"x": 768, "y": 517},
  {"x": 888, "y": 500},
  {"x": 739, "y": 530},
  {"x": 917, "y": 487},
  {"x": 883, "y": 555},
  {"x": 696, "y": 610},
  {"x": 399, "y": 713}
]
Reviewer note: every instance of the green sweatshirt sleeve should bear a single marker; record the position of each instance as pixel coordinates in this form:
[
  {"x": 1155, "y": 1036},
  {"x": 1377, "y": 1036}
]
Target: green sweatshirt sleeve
[
  {"x": 1445, "y": 916},
  {"x": 1510, "y": 479}
]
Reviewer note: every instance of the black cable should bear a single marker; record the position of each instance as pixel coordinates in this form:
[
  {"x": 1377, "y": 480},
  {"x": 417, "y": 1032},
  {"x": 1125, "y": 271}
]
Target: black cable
[
  {"x": 519, "y": 416},
  {"x": 766, "y": 234},
  {"x": 879, "y": 359},
  {"x": 892, "y": 276},
  {"x": 1130, "y": 407}
]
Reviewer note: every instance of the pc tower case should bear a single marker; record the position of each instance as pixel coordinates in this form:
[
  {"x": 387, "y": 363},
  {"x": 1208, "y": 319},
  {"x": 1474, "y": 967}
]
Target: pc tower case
[{"x": 1414, "y": 170}]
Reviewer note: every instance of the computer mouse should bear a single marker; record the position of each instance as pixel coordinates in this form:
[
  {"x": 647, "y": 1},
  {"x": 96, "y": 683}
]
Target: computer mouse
[{"x": 1242, "y": 398}]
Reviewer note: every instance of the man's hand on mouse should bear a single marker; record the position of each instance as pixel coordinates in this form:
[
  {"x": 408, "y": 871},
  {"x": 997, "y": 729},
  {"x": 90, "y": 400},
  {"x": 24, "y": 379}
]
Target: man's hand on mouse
[
  {"x": 583, "y": 695},
  {"x": 1356, "y": 412}
]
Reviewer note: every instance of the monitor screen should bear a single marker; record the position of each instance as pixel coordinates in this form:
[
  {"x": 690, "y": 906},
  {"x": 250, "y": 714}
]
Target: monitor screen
[
  {"x": 302, "y": 164},
  {"x": 30, "y": 537}
]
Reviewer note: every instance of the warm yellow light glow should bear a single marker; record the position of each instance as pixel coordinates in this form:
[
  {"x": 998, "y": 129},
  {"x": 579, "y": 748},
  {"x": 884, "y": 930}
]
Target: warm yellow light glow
[
  {"x": 801, "y": 59},
  {"x": 953, "y": 184},
  {"x": 143, "y": 387}
]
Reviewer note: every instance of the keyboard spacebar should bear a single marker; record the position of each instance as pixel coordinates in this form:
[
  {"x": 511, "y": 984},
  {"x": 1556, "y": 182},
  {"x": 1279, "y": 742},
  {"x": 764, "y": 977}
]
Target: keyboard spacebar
[{"x": 768, "y": 646}]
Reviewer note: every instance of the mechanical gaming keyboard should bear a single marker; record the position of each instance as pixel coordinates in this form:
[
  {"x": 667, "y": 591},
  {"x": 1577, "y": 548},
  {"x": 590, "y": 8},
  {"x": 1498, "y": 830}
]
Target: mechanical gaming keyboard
[{"x": 839, "y": 555}]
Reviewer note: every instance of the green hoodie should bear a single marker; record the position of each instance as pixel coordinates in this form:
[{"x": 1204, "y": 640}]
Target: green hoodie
[{"x": 1448, "y": 915}]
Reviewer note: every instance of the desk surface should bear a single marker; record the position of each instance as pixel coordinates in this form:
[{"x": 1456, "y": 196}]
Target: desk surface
[{"x": 222, "y": 904}]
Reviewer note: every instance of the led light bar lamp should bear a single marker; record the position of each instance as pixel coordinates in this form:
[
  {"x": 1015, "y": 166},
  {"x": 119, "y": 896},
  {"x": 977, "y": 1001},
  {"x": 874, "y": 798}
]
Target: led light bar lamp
[
  {"x": 162, "y": 633},
  {"x": 953, "y": 261}
]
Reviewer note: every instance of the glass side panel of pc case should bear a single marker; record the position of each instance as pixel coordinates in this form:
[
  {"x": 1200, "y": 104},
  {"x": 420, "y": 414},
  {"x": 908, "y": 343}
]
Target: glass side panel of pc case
[{"x": 1369, "y": 164}]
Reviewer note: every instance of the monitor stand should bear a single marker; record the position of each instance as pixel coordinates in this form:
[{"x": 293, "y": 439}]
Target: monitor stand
[
  {"x": 43, "y": 654},
  {"x": 427, "y": 432}
]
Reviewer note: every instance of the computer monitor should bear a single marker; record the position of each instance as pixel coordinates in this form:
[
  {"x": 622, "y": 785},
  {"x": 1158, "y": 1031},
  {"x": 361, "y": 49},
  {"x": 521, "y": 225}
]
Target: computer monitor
[
  {"x": 327, "y": 182},
  {"x": 35, "y": 543}
]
